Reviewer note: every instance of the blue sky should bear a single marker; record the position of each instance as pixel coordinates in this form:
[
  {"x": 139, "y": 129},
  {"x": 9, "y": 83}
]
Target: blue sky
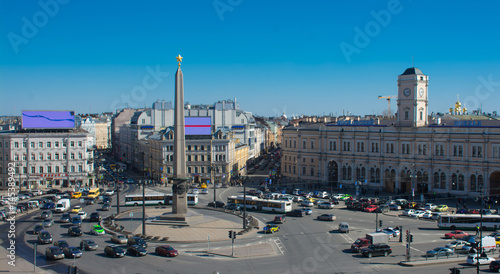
[{"x": 272, "y": 56}]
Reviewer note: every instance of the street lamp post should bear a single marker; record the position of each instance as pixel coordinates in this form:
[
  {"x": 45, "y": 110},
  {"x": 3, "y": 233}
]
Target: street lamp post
[
  {"x": 245, "y": 203},
  {"x": 480, "y": 249},
  {"x": 143, "y": 206},
  {"x": 117, "y": 192}
]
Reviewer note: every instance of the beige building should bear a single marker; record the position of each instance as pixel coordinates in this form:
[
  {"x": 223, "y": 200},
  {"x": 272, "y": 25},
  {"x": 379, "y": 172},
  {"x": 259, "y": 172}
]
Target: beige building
[{"x": 454, "y": 154}]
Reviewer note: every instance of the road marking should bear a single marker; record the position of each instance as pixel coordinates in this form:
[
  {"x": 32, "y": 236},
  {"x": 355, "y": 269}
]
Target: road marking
[
  {"x": 279, "y": 244},
  {"x": 416, "y": 249},
  {"x": 347, "y": 238}
]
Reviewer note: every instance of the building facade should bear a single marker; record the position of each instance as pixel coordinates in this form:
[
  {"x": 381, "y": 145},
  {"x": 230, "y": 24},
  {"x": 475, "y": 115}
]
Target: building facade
[
  {"x": 455, "y": 155},
  {"x": 47, "y": 159}
]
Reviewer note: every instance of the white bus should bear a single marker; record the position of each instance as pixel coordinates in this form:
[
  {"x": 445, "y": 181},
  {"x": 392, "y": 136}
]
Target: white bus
[
  {"x": 156, "y": 199},
  {"x": 254, "y": 203},
  {"x": 468, "y": 221},
  {"x": 192, "y": 199},
  {"x": 150, "y": 199}
]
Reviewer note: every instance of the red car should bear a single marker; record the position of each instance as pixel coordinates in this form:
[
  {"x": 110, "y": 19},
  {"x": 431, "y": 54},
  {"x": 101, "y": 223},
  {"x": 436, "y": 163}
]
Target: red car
[
  {"x": 166, "y": 250},
  {"x": 371, "y": 208},
  {"x": 457, "y": 234}
]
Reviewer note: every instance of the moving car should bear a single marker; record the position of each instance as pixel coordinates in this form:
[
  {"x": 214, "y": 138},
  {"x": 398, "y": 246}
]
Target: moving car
[
  {"x": 65, "y": 218},
  {"x": 76, "y": 209},
  {"x": 326, "y": 205},
  {"x": 457, "y": 244},
  {"x": 44, "y": 237},
  {"x": 75, "y": 231},
  {"x": 48, "y": 222},
  {"x": 114, "y": 251},
  {"x": 376, "y": 250},
  {"x": 204, "y": 191},
  {"x": 371, "y": 208},
  {"x": 109, "y": 192},
  {"x": 106, "y": 207},
  {"x": 61, "y": 243},
  {"x": 76, "y": 220},
  {"x": 495, "y": 266},
  {"x": 308, "y": 211},
  {"x": 439, "y": 251},
  {"x": 76, "y": 195},
  {"x": 476, "y": 258},
  {"x": 137, "y": 241},
  {"x": 456, "y": 234},
  {"x": 271, "y": 228},
  {"x": 97, "y": 230},
  {"x": 82, "y": 215},
  {"x": 344, "y": 227},
  {"x": 72, "y": 252},
  {"x": 307, "y": 203},
  {"x": 88, "y": 245},
  {"x": 95, "y": 217},
  {"x": 217, "y": 204},
  {"x": 166, "y": 250},
  {"x": 37, "y": 228},
  {"x": 119, "y": 239},
  {"x": 327, "y": 217},
  {"x": 279, "y": 219},
  {"x": 391, "y": 231},
  {"x": 136, "y": 250},
  {"x": 46, "y": 214},
  {"x": 54, "y": 253}
]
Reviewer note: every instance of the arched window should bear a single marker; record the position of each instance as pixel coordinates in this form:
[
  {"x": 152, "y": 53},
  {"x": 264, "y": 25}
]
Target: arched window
[
  {"x": 461, "y": 182},
  {"x": 363, "y": 173},
  {"x": 344, "y": 173},
  {"x": 377, "y": 175},
  {"x": 473, "y": 182},
  {"x": 443, "y": 181},
  {"x": 312, "y": 171},
  {"x": 349, "y": 173},
  {"x": 372, "y": 175},
  {"x": 454, "y": 181},
  {"x": 436, "y": 180}
]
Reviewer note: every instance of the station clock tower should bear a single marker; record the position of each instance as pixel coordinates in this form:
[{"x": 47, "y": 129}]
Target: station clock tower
[{"x": 412, "y": 98}]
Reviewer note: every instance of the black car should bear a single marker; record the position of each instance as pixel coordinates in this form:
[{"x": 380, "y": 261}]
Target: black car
[
  {"x": 383, "y": 209},
  {"x": 217, "y": 204},
  {"x": 107, "y": 199},
  {"x": 114, "y": 251},
  {"x": 136, "y": 250},
  {"x": 137, "y": 241},
  {"x": 54, "y": 253},
  {"x": 65, "y": 218},
  {"x": 335, "y": 201},
  {"x": 46, "y": 214},
  {"x": 37, "y": 228},
  {"x": 76, "y": 220},
  {"x": 44, "y": 237},
  {"x": 88, "y": 245},
  {"x": 106, "y": 207},
  {"x": 376, "y": 250},
  {"x": 495, "y": 266},
  {"x": 297, "y": 213},
  {"x": 75, "y": 231},
  {"x": 53, "y": 191},
  {"x": 61, "y": 243},
  {"x": 72, "y": 252},
  {"x": 95, "y": 217}
]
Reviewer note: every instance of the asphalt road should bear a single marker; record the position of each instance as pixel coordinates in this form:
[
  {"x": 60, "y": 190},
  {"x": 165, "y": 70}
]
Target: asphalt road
[{"x": 303, "y": 245}]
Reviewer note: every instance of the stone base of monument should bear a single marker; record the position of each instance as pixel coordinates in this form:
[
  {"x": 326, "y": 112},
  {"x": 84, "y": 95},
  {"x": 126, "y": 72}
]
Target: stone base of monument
[{"x": 169, "y": 218}]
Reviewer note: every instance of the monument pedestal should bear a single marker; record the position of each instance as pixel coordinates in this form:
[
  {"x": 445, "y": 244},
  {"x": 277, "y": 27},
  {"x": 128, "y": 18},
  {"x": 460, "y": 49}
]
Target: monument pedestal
[{"x": 170, "y": 218}]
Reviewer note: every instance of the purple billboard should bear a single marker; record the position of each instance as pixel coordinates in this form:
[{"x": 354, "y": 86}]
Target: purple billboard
[
  {"x": 198, "y": 125},
  {"x": 48, "y": 119}
]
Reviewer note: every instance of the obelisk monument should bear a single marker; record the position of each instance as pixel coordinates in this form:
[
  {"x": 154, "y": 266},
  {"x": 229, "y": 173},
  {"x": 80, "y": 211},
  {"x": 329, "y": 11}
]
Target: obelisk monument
[{"x": 179, "y": 188}]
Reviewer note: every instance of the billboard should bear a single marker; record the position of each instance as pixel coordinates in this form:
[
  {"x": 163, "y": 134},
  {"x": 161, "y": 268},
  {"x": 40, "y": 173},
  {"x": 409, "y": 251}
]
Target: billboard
[
  {"x": 47, "y": 119},
  {"x": 198, "y": 125}
]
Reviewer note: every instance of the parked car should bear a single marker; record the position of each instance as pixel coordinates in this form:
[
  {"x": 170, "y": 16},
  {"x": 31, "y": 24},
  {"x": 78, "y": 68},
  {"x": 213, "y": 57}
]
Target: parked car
[
  {"x": 88, "y": 245},
  {"x": 376, "y": 250},
  {"x": 54, "y": 253},
  {"x": 327, "y": 217},
  {"x": 417, "y": 214},
  {"x": 166, "y": 250},
  {"x": 456, "y": 234},
  {"x": 382, "y": 209},
  {"x": 326, "y": 205},
  {"x": 430, "y": 206},
  {"x": 114, "y": 251},
  {"x": 394, "y": 207},
  {"x": 136, "y": 250},
  {"x": 441, "y": 208},
  {"x": 307, "y": 210},
  {"x": 439, "y": 252},
  {"x": 218, "y": 204},
  {"x": 407, "y": 212}
]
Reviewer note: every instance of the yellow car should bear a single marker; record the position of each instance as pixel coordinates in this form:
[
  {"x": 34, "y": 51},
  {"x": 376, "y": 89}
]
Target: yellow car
[
  {"x": 76, "y": 209},
  {"x": 271, "y": 228},
  {"x": 441, "y": 208},
  {"x": 497, "y": 240},
  {"x": 76, "y": 195}
]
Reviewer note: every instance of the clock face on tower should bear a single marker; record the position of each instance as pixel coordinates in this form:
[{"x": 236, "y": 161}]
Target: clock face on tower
[
  {"x": 406, "y": 92},
  {"x": 421, "y": 92}
]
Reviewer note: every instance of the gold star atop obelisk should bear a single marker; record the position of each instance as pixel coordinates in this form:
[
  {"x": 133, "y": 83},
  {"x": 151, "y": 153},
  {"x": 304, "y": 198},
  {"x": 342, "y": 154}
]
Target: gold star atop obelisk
[{"x": 179, "y": 59}]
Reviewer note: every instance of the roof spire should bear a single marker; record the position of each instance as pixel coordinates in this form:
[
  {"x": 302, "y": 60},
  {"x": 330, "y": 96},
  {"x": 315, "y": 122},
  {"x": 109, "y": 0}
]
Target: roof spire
[{"x": 179, "y": 59}]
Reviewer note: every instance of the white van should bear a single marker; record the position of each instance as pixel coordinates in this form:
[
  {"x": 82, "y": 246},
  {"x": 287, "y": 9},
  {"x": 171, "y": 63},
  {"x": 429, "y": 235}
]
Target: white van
[{"x": 344, "y": 227}]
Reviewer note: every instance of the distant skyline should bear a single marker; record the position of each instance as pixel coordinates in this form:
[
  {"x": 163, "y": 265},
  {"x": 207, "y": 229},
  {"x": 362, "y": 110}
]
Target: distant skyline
[{"x": 281, "y": 56}]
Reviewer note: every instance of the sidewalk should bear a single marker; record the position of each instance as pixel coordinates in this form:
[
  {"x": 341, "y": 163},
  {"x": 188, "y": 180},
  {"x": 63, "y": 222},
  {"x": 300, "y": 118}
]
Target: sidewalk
[{"x": 21, "y": 265}]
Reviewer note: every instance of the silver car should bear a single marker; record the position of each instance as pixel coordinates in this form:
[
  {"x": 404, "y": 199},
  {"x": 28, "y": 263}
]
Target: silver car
[{"x": 119, "y": 239}]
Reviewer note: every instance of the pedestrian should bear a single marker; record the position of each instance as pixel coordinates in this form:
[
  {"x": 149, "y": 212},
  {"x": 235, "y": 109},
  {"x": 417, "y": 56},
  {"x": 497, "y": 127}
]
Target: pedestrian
[{"x": 477, "y": 230}]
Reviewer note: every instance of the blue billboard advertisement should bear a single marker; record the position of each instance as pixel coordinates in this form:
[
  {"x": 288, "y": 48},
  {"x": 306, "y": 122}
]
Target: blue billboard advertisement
[
  {"x": 198, "y": 125},
  {"x": 48, "y": 119}
]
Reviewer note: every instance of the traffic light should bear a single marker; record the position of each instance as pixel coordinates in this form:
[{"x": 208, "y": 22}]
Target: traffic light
[
  {"x": 230, "y": 234},
  {"x": 407, "y": 238},
  {"x": 234, "y": 234},
  {"x": 380, "y": 223},
  {"x": 411, "y": 238}
]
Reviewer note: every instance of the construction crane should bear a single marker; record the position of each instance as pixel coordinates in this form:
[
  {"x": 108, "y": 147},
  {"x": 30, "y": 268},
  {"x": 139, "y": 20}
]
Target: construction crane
[{"x": 388, "y": 98}]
